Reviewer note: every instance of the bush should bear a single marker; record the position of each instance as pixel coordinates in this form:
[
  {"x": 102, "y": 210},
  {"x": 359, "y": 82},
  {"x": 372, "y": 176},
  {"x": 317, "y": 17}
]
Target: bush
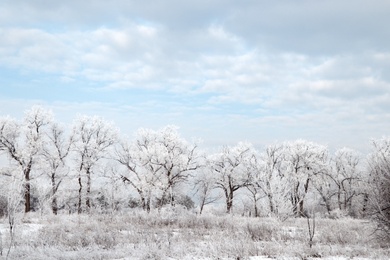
[
  {"x": 261, "y": 231},
  {"x": 179, "y": 199}
]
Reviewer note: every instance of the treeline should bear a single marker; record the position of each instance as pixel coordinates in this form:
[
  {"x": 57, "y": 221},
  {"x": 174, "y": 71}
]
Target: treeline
[{"x": 90, "y": 164}]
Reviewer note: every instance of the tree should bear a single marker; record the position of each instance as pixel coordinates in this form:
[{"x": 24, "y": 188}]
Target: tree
[
  {"x": 23, "y": 143},
  {"x": 177, "y": 159},
  {"x": 140, "y": 172},
  {"x": 204, "y": 183},
  {"x": 323, "y": 184},
  {"x": 268, "y": 177},
  {"x": 346, "y": 176},
  {"x": 304, "y": 161},
  {"x": 112, "y": 194},
  {"x": 157, "y": 161},
  {"x": 231, "y": 169},
  {"x": 254, "y": 166},
  {"x": 55, "y": 152},
  {"x": 12, "y": 191},
  {"x": 379, "y": 168},
  {"x": 342, "y": 180},
  {"x": 93, "y": 136}
]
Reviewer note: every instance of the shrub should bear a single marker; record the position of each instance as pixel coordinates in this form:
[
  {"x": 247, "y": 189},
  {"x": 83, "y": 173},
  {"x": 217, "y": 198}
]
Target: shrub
[{"x": 261, "y": 231}]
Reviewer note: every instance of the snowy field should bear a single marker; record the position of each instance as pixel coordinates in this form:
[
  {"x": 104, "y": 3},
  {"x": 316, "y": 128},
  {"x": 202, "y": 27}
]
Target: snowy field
[{"x": 138, "y": 235}]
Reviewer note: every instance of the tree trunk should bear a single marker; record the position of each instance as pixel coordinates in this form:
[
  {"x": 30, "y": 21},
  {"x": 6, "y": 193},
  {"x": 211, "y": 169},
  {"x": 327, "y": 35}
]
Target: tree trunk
[
  {"x": 88, "y": 198},
  {"x": 202, "y": 203},
  {"x": 172, "y": 196},
  {"x": 201, "y": 207},
  {"x": 255, "y": 206},
  {"x": 163, "y": 200},
  {"x": 80, "y": 193},
  {"x": 328, "y": 208},
  {"x": 229, "y": 201},
  {"x": 339, "y": 199},
  {"x": 54, "y": 205},
  {"x": 143, "y": 201},
  {"x": 326, "y": 201},
  {"x": 295, "y": 205},
  {"x": 349, "y": 203},
  {"x": 301, "y": 202},
  {"x": 270, "y": 198},
  {"x": 172, "y": 200},
  {"x": 148, "y": 204},
  {"x": 27, "y": 187},
  {"x": 301, "y": 209},
  {"x": 365, "y": 203},
  {"x": 295, "y": 199}
]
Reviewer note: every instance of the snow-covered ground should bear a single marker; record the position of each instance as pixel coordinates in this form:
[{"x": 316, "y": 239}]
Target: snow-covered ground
[{"x": 137, "y": 235}]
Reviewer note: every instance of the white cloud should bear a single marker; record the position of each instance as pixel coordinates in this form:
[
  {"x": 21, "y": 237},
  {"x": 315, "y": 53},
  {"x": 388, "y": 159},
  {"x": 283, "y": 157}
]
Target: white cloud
[{"x": 281, "y": 65}]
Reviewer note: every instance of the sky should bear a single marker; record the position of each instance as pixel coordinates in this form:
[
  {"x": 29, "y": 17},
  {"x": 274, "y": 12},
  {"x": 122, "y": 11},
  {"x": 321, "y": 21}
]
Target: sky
[{"x": 222, "y": 71}]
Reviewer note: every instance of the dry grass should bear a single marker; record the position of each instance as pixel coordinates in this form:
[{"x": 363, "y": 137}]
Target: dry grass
[{"x": 137, "y": 235}]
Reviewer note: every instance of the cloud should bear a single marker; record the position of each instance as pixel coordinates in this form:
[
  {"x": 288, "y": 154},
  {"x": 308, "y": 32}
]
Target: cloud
[
  {"x": 345, "y": 90},
  {"x": 250, "y": 65},
  {"x": 318, "y": 28},
  {"x": 137, "y": 56}
]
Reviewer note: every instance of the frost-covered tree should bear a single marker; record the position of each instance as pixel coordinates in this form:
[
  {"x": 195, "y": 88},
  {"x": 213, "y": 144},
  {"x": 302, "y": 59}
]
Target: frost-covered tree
[
  {"x": 12, "y": 191},
  {"x": 324, "y": 186},
  {"x": 268, "y": 178},
  {"x": 254, "y": 167},
  {"x": 177, "y": 158},
  {"x": 379, "y": 168},
  {"x": 346, "y": 176},
  {"x": 157, "y": 161},
  {"x": 204, "y": 184},
  {"x": 231, "y": 169},
  {"x": 139, "y": 171},
  {"x": 93, "y": 136},
  {"x": 23, "y": 143},
  {"x": 304, "y": 161},
  {"x": 342, "y": 182},
  {"x": 112, "y": 195},
  {"x": 56, "y": 150}
]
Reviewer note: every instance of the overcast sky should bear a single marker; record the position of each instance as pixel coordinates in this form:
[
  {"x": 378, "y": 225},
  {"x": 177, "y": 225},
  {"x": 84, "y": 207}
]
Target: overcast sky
[{"x": 223, "y": 71}]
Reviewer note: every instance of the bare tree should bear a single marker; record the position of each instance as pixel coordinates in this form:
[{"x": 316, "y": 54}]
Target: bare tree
[
  {"x": 177, "y": 159},
  {"x": 157, "y": 161},
  {"x": 323, "y": 184},
  {"x": 139, "y": 172},
  {"x": 255, "y": 195},
  {"x": 268, "y": 177},
  {"x": 346, "y": 176},
  {"x": 12, "y": 190},
  {"x": 112, "y": 195},
  {"x": 343, "y": 180},
  {"x": 23, "y": 143},
  {"x": 55, "y": 152},
  {"x": 92, "y": 138},
  {"x": 256, "y": 170},
  {"x": 231, "y": 169},
  {"x": 204, "y": 184},
  {"x": 311, "y": 227},
  {"x": 305, "y": 160},
  {"x": 379, "y": 168}
]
